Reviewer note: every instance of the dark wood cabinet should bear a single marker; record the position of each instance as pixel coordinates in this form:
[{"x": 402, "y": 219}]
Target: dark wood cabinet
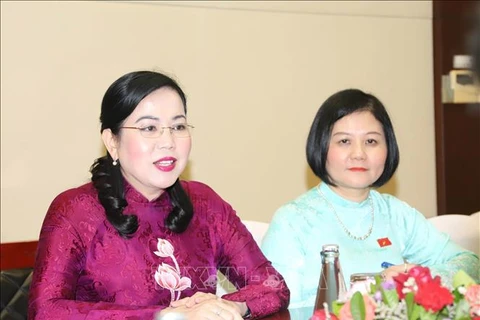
[{"x": 457, "y": 125}]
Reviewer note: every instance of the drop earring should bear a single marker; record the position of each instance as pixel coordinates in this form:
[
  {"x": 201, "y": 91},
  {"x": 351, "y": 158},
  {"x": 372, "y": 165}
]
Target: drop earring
[{"x": 115, "y": 162}]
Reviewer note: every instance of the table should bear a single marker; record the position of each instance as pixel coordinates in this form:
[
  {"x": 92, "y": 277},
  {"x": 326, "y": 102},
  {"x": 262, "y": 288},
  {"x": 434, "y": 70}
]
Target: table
[{"x": 292, "y": 314}]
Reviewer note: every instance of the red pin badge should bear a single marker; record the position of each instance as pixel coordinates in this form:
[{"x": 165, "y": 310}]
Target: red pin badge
[{"x": 384, "y": 242}]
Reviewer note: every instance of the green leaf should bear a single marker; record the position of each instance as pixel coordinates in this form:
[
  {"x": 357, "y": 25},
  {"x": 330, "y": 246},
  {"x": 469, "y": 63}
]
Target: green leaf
[
  {"x": 336, "y": 306},
  {"x": 457, "y": 296},
  {"x": 378, "y": 281},
  {"x": 413, "y": 309},
  {"x": 461, "y": 278},
  {"x": 373, "y": 288},
  {"x": 426, "y": 315},
  {"x": 410, "y": 305},
  {"x": 357, "y": 306},
  {"x": 415, "y": 312},
  {"x": 443, "y": 314},
  {"x": 390, "y": 297},
  {"x": 462, "y": 310}
]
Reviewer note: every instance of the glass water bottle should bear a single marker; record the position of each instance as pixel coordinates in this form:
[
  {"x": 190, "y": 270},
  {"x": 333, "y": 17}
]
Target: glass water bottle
[{"x": 331, "y": 285}]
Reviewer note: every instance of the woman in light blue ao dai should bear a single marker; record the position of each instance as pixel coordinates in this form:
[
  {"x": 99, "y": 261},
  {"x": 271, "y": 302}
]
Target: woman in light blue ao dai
[{"x": 352, "y": 148}]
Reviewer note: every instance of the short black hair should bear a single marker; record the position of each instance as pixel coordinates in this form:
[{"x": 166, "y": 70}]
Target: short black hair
[{"x": 337, "y": 106}]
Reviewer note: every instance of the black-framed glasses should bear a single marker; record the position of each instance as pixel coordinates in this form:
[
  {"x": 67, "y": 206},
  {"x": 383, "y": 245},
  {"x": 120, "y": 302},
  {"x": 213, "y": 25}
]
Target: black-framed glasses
[{"x": 181, "y": 130}]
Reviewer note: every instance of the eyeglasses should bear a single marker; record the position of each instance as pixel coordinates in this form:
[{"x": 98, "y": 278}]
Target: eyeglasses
[{"x": 182, "y": 130}]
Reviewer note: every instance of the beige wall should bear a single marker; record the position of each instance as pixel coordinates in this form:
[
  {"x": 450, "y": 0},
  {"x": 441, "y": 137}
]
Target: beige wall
[{"x": 255, "y": 74}]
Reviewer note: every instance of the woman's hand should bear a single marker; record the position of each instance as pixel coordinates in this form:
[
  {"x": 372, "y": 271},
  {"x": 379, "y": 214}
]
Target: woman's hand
[
  {"x": 207, "y": 309},
  {"x": 193, "y": 300},
  {"x": 393, "y": 271},
  {"x": 201, "y": 297}
]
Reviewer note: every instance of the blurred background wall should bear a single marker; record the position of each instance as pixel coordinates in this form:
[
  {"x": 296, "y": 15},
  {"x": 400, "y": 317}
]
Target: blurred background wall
[{"x": 255, "y": 74}]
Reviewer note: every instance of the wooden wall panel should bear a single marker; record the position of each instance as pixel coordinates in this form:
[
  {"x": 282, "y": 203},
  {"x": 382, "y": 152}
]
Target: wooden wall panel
[
  {"x": 17, "y": 254},
  {"x": 457, "y": 126}
]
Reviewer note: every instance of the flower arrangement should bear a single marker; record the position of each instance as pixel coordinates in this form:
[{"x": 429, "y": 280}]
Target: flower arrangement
[{"x": 415, "y": 295}]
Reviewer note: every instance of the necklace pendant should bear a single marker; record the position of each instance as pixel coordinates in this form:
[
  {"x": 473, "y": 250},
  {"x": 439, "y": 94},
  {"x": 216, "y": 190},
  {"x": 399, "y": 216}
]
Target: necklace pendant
[{"x": 351, "y": 235}]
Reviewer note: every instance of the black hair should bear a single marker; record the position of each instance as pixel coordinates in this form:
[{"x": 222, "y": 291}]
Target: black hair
[
  {"x": 333, "y": 109},
  {"x": 119, "y": 101}
]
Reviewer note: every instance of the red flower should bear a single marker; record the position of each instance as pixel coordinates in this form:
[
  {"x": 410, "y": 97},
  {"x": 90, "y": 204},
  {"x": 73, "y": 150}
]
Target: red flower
[
  {"x": 400, "y": 281},
  {"x": 421, "y": 276},
  {"x": 320, "y": 315},
  {"x": 433, "y": 297}
]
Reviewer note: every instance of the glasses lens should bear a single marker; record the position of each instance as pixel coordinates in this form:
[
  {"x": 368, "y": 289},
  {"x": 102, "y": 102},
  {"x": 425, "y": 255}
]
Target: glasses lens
[
  {"x": 151, "y": 131},
  {"x": 180, "y": 130},
  {"x": 177, "y": 131}
]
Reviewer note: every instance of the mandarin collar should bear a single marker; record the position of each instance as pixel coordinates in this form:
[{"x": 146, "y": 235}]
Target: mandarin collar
[
  {"x": 133, "y": 195},
  {"x": 338, "y": 200}
]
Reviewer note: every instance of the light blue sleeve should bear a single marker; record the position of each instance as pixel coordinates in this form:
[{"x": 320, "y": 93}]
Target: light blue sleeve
[
  {"x": 426, "y": 246},
  {"x": 282, "y": 245}
]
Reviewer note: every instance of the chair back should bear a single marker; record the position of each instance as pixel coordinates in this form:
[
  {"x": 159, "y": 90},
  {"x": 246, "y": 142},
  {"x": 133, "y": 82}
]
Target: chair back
[
  {"x": 257, "y": 229},
  {"x": 464, "y": 230}
]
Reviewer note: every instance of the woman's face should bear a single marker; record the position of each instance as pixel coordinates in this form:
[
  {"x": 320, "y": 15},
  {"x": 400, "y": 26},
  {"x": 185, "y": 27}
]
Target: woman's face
[
  {"x": 151, "y": 165},
  {"x": 357, "y": 153}
]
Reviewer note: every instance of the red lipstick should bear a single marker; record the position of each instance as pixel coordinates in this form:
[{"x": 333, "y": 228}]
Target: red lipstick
[
  {"x": 357, "y": 169},
  {"x": 165, "y": 164}
]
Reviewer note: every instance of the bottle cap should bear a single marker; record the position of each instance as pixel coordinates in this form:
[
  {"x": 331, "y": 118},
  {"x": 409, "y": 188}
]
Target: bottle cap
[
  {"x": 171, "y": 316},
  {"x": 330, "y": 248}
]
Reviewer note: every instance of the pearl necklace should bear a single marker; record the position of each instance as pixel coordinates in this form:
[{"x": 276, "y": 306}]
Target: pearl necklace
[{"x": 351, "y": 235}]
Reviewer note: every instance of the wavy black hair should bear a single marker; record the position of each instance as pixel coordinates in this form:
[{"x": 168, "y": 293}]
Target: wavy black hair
[
  {"x": 119, "y": 101},
  {"x": 333, "y": 109}
]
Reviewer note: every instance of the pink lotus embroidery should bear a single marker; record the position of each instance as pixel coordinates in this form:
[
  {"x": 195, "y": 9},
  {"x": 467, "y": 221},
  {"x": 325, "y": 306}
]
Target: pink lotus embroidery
[
  {"x": 165, "y": 248},
  {"x": 166, "y": 276}
]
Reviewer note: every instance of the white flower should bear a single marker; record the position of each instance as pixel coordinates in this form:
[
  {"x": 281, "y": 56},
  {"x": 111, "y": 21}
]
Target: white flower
[
  {"x": 165, "y": 248},
  {"x": 168, "y": 278}
]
